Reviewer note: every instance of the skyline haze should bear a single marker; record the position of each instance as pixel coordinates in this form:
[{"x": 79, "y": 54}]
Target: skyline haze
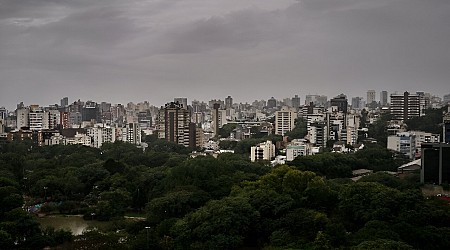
[{"x": 115, "y": 51}]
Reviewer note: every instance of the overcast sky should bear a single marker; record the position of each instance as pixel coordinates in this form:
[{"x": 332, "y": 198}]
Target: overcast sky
[{"x": 155, "y": 50}]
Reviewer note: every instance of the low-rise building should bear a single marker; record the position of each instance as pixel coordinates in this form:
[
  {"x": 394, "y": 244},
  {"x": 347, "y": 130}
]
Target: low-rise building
[
  {"x": 404, "y": 143},
  {"x": 262, "y": 151},
  {"x": 297, "y": 148}
]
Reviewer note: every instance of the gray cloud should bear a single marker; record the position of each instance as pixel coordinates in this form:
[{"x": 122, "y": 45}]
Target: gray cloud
[{"x": 154, "y": 50}]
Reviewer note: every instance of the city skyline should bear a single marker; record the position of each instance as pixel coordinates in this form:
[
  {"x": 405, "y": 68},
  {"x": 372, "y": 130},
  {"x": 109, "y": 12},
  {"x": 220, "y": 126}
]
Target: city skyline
[
  {"x": 280, "y": 99},
  {"x": 157, "y": 50}
]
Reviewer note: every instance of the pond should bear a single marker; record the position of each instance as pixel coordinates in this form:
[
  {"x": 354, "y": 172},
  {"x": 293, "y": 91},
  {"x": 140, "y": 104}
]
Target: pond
[{"x": 75, "y": 224}]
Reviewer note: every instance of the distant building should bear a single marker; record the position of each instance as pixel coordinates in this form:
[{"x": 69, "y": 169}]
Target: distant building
[
  {"x": 356, "y": 102},
  {"x": 446, "y": 99},
  {"x": 217, "y": 118},
  {"x": 22, "y": 117},
  {"x": 446, "y": 126},
  {"x": 296, "y": 102},
  {"x": 228, "y": 102},
  {"x": 384, "y": 98},
  {"x": 435, "y": 163},
  {"x": 131, "y": 133},
  {"x": 285, "y": 120},
  {"x": 90, "y": 112},
  {"x": 181, "y": 100},
  {"x": 65, "y": 102},
  {"x": 101, "y": 134},
  {"x": 263, "y": 151},
  {"x": 271, "y": 103},
  {"x": 36, "y": 117},
  {"x": 371, "y": 97},
  {"x": 3, "y": 113},
  {"x": 340, "y": 102},
  {"x": 173, "y": 123}
]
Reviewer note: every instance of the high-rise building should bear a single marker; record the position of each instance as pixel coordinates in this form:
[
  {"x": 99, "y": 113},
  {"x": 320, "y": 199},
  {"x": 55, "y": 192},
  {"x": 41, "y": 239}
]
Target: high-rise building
[
  {"x": 424, "y": 101},
  {"x": 446, "y": 127},
  {"x": 229, "y": 102},
  {"x": 446, "y": 99},
  {"x": 340, "y": 102},
  {"x": 285, "y": 120},
  {"x": 65, "y": 102},
  {"x": 64, "y": 120},
  {"x": 36, "y": 117},
  {"x": 356, "y": 102},
  {"x": 384, "y": 98},
  {"x": 271, "y": 103},
  {"x": 181, "y": 100},
  {"x": 90, "y": 111},
  {"x": 173, "y": 123},
  {"x": 131, "y": 133},
  {"x": 296, "y": 102},
  {"x": 404, "y": 106},
  {"x": 3, "y": 113},
  {"x": 370, "y": 97},
  {"x": 100, "y": 134}
]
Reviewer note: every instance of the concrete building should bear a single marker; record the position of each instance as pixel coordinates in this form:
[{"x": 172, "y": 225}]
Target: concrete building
[
  {"x": 271, "y": 103},
  {"x": 181, "y": 100},
  {"x": 65, "y": 102},
  {"x": 51, "y": 119},
  {"x": 22, "y": 117},
  {"x": 131, "y": 133},
  {"x": 218, "y": 118},
  {"x": 423, "y": 137},
  {"x": 36, "y": 118},
  {"x": 173, "y": 123},
  {"x": 340, "y": 102},
  {"x": 371, "y": 97},
  {"x": 404, "y": 143},
  {"x": 435, "y": 163},
  {"x": 262, "y": 151},
  {"x": 384, "y": 98},
  {"x": 446, "y": 126},
  {"x": 297, "y": 148},
  {"x": 2, "y": 126},
  {"x": 100, "y": 134},
  {"x": 318, "y": 100},
  {"x": 446, "y": 99},
  {"x": 405, "y": 106},
  {"x": 356, "y": 102},
  {"x": 3, "y": 113},
  {"x": 285, "y": 120},
  {"x": 90, "y": 112},
  {"x": 228, "y": 102},
  {"x": 295, "y": 102},
  {"x": 353, "y": 122},
  {"x": 318, "y": 134}
]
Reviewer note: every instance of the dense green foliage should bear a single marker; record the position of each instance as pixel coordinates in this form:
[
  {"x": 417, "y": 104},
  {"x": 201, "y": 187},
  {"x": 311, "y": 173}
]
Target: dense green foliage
[
  {"x": 299, "y": 131},
  {"x": 429, "y": 123},
  {"x": 215, "y": 203}
]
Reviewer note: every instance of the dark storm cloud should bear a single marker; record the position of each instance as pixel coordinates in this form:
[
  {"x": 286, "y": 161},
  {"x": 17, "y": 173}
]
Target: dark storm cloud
[{"x": 209, "y": 49}]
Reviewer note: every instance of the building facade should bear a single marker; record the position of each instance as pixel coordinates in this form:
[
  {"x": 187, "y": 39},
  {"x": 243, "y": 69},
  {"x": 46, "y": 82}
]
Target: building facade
[
  {"x": 285, "y": 120},
  {"x": 405, "y": 106},
  {"x": 263, "y": 151}
]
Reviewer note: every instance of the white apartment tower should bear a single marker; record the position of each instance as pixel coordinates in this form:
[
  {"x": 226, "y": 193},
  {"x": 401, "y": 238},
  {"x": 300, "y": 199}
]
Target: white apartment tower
[{"x": 285, "y": 120}]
